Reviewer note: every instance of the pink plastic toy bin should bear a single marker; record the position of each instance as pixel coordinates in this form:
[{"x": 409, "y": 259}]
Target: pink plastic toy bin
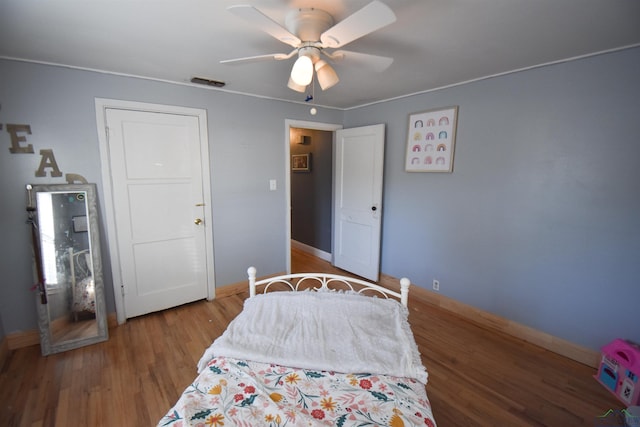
[{"x": 620, "y": 369}]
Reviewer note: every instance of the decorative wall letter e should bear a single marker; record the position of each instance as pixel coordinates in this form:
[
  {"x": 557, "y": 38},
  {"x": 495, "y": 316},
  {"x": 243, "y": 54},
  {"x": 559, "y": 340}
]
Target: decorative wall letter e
[{"x": 17, "y": 139}]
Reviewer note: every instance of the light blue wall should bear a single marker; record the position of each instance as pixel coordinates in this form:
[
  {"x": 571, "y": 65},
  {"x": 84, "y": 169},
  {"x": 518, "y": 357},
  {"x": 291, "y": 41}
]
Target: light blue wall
[
  {"x": 246, "y": 140},
  {"x": 539, "y": 223},
  {"x": 540, "y": 220}
]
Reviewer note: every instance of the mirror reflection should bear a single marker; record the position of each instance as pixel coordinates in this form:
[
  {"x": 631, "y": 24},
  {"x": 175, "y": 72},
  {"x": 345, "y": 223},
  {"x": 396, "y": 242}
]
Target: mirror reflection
[{"x": 71, "y": 305}]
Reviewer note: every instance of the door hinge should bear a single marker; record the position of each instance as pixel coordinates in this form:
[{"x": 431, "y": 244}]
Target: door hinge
[{"x": 122, "y": 289}]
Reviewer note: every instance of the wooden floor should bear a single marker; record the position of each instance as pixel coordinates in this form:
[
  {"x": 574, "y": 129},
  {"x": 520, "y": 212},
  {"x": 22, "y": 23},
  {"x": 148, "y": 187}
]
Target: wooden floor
[{"x": 477, "y": 377}]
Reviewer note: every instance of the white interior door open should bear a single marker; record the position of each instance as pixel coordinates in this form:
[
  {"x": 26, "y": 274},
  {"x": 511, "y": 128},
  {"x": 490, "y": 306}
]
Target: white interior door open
[
  {"x": 160, "y": 249},
  {"x": 358, "y": 179}
]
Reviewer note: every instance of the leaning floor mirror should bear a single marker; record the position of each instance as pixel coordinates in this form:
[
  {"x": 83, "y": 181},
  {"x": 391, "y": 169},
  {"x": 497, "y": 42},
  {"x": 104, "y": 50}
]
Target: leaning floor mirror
[{"x": 68, "y": 267}]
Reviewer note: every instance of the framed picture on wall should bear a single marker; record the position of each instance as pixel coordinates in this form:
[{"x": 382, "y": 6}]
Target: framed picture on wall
[
  {"x": 431, "y": 140},
  {"x": 301, "y": 162}
]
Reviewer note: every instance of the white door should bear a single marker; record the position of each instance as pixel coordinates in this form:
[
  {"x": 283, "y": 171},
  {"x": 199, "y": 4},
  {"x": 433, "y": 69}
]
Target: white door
[
  {"x": 358, "y": 178},
  {"x": 158, "y": 204}
]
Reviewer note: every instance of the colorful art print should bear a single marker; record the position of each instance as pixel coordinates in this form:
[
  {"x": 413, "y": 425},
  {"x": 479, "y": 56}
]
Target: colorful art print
[{"x": 431, "y": 140}]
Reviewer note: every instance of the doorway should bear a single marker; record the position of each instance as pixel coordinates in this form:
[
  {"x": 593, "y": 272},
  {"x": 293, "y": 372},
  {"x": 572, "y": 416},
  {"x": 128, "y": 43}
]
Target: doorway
[
  {"x": 357, "y": 175},
  {"x": 295, "y": 129},
  {"x": 311, "y": 191}
]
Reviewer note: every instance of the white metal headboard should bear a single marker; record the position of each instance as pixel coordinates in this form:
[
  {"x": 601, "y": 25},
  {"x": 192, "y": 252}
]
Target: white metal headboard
[{"x": 327, "y": 281}]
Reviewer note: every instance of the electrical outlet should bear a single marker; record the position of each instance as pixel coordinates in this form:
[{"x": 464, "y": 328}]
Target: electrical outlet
[{"x": 436, "y": 285}]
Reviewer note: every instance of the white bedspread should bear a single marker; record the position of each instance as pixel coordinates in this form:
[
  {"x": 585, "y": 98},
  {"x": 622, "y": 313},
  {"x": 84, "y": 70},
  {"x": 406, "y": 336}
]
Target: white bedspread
[{"x": 327, "y": 331}]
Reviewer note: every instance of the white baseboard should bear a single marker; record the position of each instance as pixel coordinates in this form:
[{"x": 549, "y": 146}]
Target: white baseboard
[{"x": 310, "y": 249}]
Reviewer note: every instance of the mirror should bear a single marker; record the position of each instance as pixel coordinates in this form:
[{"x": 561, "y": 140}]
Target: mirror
[{"x": 68, "y": 267}]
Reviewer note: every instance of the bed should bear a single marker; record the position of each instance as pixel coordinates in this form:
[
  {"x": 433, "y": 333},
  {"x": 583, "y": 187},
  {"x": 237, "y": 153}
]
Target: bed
[{"x": 311, "y": 349}]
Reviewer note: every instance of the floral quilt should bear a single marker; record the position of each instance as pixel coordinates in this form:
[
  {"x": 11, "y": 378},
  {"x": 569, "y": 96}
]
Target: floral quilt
[{"x": 233, "y": 392}]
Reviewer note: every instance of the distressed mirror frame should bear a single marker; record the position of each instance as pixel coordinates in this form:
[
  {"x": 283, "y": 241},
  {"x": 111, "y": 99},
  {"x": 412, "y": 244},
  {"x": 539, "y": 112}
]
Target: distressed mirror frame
[{"x": 46, "y": 343}]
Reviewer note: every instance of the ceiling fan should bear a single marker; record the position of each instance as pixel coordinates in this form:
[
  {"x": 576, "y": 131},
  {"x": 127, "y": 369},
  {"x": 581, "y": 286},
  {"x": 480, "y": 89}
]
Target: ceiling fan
[{"x": 311, "y": 32}]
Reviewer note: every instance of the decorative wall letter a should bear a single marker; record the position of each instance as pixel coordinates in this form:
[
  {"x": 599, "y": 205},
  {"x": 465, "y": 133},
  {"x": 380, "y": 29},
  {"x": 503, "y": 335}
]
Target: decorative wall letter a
[{"x": 48, "y": 160}]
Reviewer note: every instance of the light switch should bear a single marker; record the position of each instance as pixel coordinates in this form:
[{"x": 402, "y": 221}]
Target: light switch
[{"x": 273, "y": 186}]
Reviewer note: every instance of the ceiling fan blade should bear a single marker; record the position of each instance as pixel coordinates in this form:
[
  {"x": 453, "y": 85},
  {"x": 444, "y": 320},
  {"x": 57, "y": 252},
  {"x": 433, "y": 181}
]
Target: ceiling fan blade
[
  {"x": 371, "y": 62},
  {"x": 370, "y": 18},
  {"x": 276, "y": 56},
  {"x": 264, "y": 23}
]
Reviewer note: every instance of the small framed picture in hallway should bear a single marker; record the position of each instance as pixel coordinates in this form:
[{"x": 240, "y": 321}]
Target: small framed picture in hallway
[{"x": 301, "y": 162}]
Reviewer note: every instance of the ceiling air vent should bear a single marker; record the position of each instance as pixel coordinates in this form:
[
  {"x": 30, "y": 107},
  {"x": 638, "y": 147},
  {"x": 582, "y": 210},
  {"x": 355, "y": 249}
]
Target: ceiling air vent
[{"x": 207, "y": 82}]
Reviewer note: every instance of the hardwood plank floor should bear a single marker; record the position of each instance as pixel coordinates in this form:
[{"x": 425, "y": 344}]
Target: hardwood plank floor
[{"x": 477, "y": 377}]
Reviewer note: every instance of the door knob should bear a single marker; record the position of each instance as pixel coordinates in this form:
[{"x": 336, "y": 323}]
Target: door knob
[{"x": 197, "y": 221}]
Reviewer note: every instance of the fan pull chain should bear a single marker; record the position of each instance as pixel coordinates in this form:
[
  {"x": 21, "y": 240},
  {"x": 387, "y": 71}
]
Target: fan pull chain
[{"x": 313, "y": 111}]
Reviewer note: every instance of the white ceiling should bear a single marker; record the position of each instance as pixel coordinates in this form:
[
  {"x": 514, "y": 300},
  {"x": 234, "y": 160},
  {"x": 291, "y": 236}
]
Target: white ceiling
[{"x": 435, "y": 43}]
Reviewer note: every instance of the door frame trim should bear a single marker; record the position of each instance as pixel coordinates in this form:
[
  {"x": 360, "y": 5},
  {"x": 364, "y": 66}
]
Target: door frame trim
[
  {"x": 288, "y": 124},
  {"x": 102, "y": 104}
]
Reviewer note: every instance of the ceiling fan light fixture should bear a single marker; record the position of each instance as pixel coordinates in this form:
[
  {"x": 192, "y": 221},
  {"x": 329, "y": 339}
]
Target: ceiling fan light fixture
[
  {"x": 302, "y": 71},
  {"x": 295, "y": 86},
  {"x": 310, "y": 31},
  {"x": 327, "y": 76}
]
